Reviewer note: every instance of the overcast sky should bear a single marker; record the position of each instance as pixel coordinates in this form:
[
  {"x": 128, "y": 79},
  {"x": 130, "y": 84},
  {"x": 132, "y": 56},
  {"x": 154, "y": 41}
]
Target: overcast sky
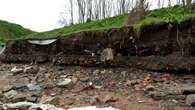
[{"x": 37, "y": 15}]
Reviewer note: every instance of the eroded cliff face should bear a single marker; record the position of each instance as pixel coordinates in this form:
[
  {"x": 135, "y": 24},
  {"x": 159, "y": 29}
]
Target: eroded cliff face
[{"x": 165, "y": 41}]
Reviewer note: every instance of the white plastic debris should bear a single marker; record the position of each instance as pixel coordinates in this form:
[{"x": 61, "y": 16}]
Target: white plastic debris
[{"x": 42, "y": 42}]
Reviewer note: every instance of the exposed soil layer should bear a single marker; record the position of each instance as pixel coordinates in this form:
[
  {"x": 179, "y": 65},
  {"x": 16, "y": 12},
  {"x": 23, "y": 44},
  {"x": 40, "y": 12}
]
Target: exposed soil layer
[{"x": 162, "y": 46}]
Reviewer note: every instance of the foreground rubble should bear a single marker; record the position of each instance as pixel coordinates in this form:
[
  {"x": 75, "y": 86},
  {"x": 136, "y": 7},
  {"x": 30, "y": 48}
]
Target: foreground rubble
[{"x": 120, "y": 88}]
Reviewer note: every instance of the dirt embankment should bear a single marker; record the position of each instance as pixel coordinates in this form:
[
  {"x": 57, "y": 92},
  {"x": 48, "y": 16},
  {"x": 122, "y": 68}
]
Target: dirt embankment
[{"x": 153, "y": 44}]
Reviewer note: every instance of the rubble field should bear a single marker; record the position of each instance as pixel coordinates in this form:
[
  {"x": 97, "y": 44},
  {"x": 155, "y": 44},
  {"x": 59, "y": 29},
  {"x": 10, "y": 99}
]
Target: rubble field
[{"x": 75, "y": 86}]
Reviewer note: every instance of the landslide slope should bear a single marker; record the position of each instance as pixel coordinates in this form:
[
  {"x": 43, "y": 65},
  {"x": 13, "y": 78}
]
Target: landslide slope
[{"x": 12, "y": 31}]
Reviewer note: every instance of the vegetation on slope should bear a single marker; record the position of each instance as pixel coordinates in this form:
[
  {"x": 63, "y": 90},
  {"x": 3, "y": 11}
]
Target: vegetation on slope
[
  {"x": 12, "y": 31},
  {"x": 113, "y": 22},
  {"x": 171, "y": 14}
]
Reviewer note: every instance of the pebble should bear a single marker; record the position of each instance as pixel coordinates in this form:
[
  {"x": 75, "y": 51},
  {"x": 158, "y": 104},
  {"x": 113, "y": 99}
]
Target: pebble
[
  {"x": 17, "y": 70},
  {"x": 31, "y": 69},
  {"x": 190, "y": 100},
  {"x": 19, "y": 85},
  {"x": 18, "y": 98},
  {"x": 32, "y": 87},
  {"x": 7, "y": 88},
  {"x": 64, "y": 82},
  {"x": 32, "y": 99},
  {"x": 11, "y": 94}
]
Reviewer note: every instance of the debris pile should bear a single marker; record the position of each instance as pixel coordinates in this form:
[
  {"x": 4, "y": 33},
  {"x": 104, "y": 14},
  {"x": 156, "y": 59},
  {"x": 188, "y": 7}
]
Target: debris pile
[{"x": 70, "y": 87}]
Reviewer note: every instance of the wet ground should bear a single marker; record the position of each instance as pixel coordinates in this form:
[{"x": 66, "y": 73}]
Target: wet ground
[{"x": 122, "y": 88}]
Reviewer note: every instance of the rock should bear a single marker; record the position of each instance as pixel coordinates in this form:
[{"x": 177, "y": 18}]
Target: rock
[
  {"x": 31, "y": 69},
  {"x": 74, "y": 80},
  {"x": 93, "y": 100},
  {"x": 107, "y": 54},
  {"x": 107, "y": 97},
  {"x": 165, "y": 96},
  {"x": 64, "y": 82},
  {"x": 96, "y": 72},
  {"x": 17, "y": 70},
  {"x": 93, "y": 108},
  {"x": 30, "y": 106},
  {"x": 11, "y": 94},
  {"x": 32, "y": 87},
  {"x": 132, "y": 82},
  {"x": 46, "y": 99},
  {"x": 18, "y": 98},
  {"x": 85, "y": 79},
  {"x": 2, "y": 98},
  {"x": 103, "y": 72},
  {"x": 19, "y": 85},
  {"x": 149, "y": 88},
  {"x": 1, "y": 106},
  {"x": 7, "y": 88},
  {"x": 190, "y": 100},
  {"x": 188, "y": 89},
  {"x": 55, "y": 101},
  {"x": 36, "y": 93},
  {"x": 32, "y": 99}
]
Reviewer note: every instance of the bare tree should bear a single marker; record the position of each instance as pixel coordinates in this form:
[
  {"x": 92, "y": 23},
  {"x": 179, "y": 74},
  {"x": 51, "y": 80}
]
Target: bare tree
[
  {"x": 188, "y": 3},
  {"x": 121, "y": 8},
  {"x": 89, "y": 10},
  {"x": 103, "y": 8},
  {"x": 71, "y": 12},
  {"x": 81, "y": 10}
]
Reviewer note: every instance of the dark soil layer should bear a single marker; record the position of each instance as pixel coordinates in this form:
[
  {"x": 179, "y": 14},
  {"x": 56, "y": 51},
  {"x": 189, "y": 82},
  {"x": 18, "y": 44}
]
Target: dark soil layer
[{"x": 163, "y": 46}]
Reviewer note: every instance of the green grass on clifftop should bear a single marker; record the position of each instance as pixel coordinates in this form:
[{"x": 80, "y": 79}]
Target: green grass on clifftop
[
  {"x": 12, "y": 31},
  {"x": 113, "y": 22},
  {"x": 171, "y": 14}
]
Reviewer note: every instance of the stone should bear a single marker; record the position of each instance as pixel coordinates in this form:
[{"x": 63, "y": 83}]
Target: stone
[
  {"x": 107, "y": 97},
  {"x": 64, "y": 82},
  {"x": 190, "y": 100},
  {"x": 165, "y": 96},
  {"x": 32, "y": 99},
  {"x": 32, "y": 87},
  {"x": 36, "y": 93},
  {"x": 107, "y": 54},
  {"x": 103, "y": 72},
  {"x": 18, "y": 98},
  {"x": 16, "y": 70},
  {"x": 74, "y": 80},
  {"x": 7, "y": 88},
  {"x": 11, "y": 94},
  {"x": 31, "y": 69},
  {"x": 188, "y": 89},
  {"x": 54, "y": 101},
  {"x": 149, "y": 88},
  {"x": 93, "y": 100},
  {"x": 19, "y": 85},
  {"x": 132, "y": 82},
  {"x": 93, "y": 108},
  {"x": 85, "y": 79},
  {"x": 96, "y": 72}
]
